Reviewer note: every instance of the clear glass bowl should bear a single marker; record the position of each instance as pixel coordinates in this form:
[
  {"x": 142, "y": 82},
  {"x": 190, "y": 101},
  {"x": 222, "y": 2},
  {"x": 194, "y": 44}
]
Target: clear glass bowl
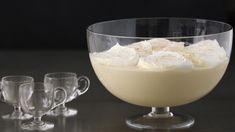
[{"x": 159, "y": 63}]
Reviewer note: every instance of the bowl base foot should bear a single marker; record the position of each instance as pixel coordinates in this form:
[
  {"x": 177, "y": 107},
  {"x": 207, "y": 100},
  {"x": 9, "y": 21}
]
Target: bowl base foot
[
  {"x": 160, "y": 121},
  {"x": 68, "y": 112}
]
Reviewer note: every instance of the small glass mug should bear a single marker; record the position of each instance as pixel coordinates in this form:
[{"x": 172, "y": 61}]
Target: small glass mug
[
  {"x": 37, "y": 99},
  {"x": 72, "y": 84},
  {"x": 9, "y": 92}
]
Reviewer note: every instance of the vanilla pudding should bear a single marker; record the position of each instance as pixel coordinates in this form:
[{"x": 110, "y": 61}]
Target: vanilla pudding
[{"x": 160, "y": 72}]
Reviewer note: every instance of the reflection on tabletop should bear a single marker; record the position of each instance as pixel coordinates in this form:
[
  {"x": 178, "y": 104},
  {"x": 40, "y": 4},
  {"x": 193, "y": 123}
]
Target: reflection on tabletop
[
  {"x": 210, "y": 116},
  {"x": 62, "y": 124}
]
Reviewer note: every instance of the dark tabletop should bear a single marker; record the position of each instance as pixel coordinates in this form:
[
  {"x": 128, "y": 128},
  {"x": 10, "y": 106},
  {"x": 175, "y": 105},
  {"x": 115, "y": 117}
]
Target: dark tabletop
[{"x": 98, "y": 110}]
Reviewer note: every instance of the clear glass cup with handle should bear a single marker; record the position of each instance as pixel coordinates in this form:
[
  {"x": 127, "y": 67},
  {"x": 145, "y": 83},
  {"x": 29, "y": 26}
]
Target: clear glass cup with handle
[
  {"x": 10, "y": 94},
  {"x": 37, "y": 99},
  {"x": 73, "y": 85},
  {"x": 160, "y": 63}
]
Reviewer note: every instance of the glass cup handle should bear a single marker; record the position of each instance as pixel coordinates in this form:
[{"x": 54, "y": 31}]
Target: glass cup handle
[
  {"x": 1, "y": 93},
  {"x": 81, "y": 90},
  {"x": 61, "y": 100}
]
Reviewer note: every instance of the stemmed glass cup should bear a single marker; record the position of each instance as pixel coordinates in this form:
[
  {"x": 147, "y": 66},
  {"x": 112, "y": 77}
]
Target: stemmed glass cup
[
  {"x": 9, "y": 92},
  {"x": 37, "y": 99},
  {"x": 73, "y": 85}
]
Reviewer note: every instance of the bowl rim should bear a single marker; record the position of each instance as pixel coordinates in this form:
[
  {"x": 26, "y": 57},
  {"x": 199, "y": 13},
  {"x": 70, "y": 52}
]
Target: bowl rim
[
  {"x": 230, "y": 28},
  {"x": 72, "y": 75},
  {"x": 5, "y": 79}
]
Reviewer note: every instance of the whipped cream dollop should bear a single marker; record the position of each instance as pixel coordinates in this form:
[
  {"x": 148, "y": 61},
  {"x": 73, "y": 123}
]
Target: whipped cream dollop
[
  {"x": 163, "y": 60},
  {"x": 143, "y": 48},
  {"x": 117, "y": 56},
  {"x": 164, "y": 44},
  {"x": 163, "y": 54},
  {"x": 206, "y": 53}
]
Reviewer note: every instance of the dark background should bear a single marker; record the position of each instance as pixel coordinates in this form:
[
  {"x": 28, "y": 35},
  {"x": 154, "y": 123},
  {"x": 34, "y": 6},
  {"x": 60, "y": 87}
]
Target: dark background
[
  {"x": 59, "y": 24},
  {"x": 41, "y": 36}
]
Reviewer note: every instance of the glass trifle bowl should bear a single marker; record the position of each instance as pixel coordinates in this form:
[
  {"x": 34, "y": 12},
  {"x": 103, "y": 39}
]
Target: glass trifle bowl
[{"x": 159, "y": 63}]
